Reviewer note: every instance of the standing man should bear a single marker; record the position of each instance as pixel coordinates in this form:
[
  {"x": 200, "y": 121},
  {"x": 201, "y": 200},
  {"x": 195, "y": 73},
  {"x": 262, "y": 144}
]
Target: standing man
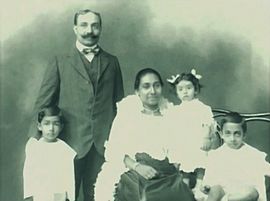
[{"x": 85, "y": 84}]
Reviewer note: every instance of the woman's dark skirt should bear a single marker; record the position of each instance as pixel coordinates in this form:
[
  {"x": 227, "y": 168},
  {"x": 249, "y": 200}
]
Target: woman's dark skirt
[{"x": 167, "y": 186}]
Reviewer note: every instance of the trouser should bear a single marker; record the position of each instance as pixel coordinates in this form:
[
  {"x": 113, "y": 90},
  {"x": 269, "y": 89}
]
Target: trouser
[{"x": 86, "y": 171}]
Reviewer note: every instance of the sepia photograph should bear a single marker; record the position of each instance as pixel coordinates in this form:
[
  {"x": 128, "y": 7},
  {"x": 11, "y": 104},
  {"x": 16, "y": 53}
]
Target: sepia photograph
[{"x": 123, "y": 100}]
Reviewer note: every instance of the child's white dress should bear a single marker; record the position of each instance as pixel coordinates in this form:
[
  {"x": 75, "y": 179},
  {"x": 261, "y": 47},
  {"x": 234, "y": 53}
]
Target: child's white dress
[
  {"x": 191, "y": 121},
  {"x": 48, "y": 170},
  {"x": 234, "y": 168}
]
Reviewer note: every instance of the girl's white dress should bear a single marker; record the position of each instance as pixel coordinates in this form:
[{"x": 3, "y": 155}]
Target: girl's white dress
[
  {"x": 132, "y": 132},
  {"x": 48, "y": 170},
  {"x": 234, "y": 168},
  {"x": 191, "y": 121}
]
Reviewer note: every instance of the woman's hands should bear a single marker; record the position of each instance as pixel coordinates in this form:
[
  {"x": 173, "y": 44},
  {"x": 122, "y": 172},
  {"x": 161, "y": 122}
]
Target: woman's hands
[{"x": 146, "y": 171}]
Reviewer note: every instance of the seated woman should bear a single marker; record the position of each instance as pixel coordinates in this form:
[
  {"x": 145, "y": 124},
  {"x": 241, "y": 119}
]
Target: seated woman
[{"x": 137, "y": 154}]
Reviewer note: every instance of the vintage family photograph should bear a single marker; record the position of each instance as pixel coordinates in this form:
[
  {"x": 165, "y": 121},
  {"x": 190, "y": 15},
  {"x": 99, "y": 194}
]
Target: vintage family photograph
[{"x": 124, "y": 100}]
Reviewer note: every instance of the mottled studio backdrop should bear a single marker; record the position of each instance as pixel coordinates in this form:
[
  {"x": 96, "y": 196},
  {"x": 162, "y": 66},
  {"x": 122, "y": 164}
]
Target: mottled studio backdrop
[{"x": 226, "y": 41}]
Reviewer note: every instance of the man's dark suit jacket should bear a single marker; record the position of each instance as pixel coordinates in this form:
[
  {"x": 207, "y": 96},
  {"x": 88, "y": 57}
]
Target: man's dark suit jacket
[{"x": 88, "y": 113}]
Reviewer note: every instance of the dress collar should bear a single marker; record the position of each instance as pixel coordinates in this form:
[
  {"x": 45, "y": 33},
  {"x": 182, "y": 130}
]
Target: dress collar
[
  {"x": 148, "y": 111},
  {"x": 191, "y": 102}
]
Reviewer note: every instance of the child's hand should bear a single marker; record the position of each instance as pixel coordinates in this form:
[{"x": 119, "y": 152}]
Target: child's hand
[
  {"x": 198, "y": 194},
  {"x": 206, "y": 144},
  {"x": 146, "y": 171},
  {"x": 60, "y": 197},
  {"x": 205, "y": 189}
]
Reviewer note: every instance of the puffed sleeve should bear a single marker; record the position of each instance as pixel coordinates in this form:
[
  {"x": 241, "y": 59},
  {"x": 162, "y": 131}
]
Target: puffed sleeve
[
  {"x": 266, "y": 165},
  {"x": 30, "y": 179},
  {"x": 208, "y": 115},
  {"x": 113, "y": 166}
]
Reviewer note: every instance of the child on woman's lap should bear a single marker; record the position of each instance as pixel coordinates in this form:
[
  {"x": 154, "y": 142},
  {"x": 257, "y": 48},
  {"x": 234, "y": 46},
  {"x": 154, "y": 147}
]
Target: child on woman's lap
[{"x": 193, "y": 121}]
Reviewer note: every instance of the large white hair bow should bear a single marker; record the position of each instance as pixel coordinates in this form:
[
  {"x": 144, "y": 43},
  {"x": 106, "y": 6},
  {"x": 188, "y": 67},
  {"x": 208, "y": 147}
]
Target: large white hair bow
[
  {"x": 173, "y": 79},
  {"x": 193, "y": 72}
]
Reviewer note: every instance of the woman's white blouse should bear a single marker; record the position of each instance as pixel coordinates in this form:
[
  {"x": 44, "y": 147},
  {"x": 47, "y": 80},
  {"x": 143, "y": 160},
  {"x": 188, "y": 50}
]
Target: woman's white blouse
[{"x": 132, "y": 132}]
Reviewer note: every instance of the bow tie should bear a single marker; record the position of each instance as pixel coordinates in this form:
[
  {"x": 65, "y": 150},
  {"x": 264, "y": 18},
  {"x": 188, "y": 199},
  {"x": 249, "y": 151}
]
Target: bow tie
[{"x": 90, "y": 50}]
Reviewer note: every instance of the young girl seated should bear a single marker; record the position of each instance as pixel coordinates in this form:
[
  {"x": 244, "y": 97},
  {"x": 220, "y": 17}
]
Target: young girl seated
[
  {"x": 48, "y": 169},
  {"x": 236, "y": 170},
  {"x": 193, "y": 122}
]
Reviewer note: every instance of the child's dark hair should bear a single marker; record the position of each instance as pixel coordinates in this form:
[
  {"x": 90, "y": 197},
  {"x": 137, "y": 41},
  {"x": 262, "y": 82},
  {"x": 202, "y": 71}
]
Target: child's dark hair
[
  {"x": 50, "y": 111},
  {"x": 142, "y": 73},
  {"x": 188, "y": 77},
  {"x": 234, "y": 117}
]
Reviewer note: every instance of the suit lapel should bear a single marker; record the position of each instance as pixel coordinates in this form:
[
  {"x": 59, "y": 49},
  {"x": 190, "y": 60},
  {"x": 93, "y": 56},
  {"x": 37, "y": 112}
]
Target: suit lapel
[
  {"x": 103, "y": 63},
  {"x": 77, "y": 64}
]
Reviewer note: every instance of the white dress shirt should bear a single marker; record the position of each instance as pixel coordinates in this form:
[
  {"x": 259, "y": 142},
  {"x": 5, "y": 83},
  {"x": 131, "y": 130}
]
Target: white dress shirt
[{"x": 88, "y": 56}]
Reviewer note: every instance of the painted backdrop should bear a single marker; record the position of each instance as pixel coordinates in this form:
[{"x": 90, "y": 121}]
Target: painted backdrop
[{"x": 226, "y": 41}]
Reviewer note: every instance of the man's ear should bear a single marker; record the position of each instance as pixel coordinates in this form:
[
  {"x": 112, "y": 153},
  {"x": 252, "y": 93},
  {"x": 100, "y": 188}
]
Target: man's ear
[{"x": 75, "y": 29}]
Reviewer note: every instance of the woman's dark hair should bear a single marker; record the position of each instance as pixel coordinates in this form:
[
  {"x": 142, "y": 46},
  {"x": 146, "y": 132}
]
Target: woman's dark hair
[
  {"x": 234, "y": 117},
  {"x": 142, "y": 73},
  {"x": 189, "y": 77},
  {"x": 50, "y": 111}
]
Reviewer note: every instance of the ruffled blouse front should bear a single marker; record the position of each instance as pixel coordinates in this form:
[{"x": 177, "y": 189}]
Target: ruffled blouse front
[{"x": 132, "y": 132}]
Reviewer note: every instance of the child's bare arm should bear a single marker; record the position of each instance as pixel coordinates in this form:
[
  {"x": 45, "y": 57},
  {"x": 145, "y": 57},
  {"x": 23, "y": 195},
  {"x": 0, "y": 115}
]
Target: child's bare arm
[
  {"x": 267, "y": 172},
  {"x": 206, "y": 142}
]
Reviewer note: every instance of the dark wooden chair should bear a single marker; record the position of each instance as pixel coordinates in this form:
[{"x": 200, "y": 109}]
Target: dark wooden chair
[{"x": 219, "y": 113}]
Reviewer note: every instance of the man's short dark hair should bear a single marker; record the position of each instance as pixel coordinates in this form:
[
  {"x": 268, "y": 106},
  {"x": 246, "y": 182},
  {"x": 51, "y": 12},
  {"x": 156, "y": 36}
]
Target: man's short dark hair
[{"x": 82, "y": 12}]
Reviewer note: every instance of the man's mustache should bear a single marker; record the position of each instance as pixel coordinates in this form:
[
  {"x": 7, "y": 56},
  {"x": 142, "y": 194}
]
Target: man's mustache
[{"x": 90, "y": 36}]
